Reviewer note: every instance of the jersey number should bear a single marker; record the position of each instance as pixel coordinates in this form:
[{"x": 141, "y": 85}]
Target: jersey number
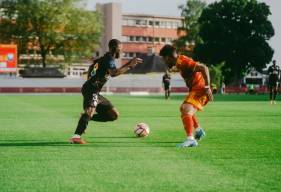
[{"x": 94, "y": 71}]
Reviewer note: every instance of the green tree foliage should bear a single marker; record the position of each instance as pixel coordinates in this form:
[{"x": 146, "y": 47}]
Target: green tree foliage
[
  {"x": 190, "y": 12},
  {"x": 216, "y": 75},
  {"x": 58, "y": 25},
  {"x": 236, "y": 33}
]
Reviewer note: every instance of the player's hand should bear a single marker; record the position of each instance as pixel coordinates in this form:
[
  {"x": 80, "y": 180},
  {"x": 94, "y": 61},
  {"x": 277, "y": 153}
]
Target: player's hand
[
  {"x": 209, "y": 93},
  {"x": 134, "y": 62}
]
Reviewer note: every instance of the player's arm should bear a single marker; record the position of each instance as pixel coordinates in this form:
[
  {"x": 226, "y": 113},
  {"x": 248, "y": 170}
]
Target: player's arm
[
  {"x": 206, "y": 75},
  {"x": 131, "y": 64},
  {"x": 174, "y": 69}
]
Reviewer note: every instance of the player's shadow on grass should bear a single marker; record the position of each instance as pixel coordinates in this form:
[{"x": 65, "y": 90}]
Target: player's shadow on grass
[
  {"x": 116, "y": 137},
  {"x": 32, "y": 143},
  {"x": 106, "y": 144}
]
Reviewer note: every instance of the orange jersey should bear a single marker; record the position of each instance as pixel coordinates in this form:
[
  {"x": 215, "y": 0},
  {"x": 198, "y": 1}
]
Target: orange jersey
[{"x": 194, "y": 80}]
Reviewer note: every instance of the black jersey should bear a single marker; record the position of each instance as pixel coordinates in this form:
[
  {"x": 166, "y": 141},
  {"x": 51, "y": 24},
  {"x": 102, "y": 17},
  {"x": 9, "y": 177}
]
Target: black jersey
[
  {"x": 166, "y": 79},
  {"x": 98, "y": 73},
  {"x": 273, "y": 72}
]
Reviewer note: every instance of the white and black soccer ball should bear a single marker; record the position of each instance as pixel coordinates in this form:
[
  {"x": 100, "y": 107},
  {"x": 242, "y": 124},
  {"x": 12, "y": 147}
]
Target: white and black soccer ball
[{"x": 141, "y": 130}]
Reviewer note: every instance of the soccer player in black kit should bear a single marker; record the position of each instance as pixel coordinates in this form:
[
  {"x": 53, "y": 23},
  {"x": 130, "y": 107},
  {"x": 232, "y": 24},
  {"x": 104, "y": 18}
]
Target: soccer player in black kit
[
  {"x": 166, "y": 80},
  {"x": 274, "y": 72},
  {"x": 96, "y": 107}
]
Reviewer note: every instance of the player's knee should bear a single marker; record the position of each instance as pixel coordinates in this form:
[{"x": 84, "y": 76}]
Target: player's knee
[
  {"x": 90, "y": 112},
  {"x": 114, "y": 114},
  {"x": 85, "y": 117},
  {"x": 187, "y": 109}
]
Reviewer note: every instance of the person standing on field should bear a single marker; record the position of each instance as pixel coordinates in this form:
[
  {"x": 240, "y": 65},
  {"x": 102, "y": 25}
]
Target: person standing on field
[
  {"x": 166, "y": 81},
  {"x": 274, "y": 73}
]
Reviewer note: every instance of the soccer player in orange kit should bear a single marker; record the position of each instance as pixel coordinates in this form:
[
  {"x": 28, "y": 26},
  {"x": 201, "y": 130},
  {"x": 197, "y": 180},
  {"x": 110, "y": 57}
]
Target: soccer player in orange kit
[{"x": 197, "y": 79}]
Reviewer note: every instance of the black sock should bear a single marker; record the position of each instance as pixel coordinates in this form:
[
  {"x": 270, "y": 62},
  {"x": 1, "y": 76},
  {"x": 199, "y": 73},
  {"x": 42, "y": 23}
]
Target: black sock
[
  {"x": 270, "y": 94},
  {"x": 82, "y": 124}
]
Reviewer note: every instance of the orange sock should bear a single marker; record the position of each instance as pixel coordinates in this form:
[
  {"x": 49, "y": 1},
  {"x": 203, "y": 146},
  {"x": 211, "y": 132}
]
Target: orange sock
[
  {"x": 187, "y": 121},
  {"x": 195, "y": 122}
]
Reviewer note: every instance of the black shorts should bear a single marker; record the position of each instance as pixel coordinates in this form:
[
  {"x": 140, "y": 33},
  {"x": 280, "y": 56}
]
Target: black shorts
[
  {"x": 103, "y": 104},
  {"x": 272, "y": 85},
  {"x": 273, "y": 81},
  {"x": 166, "y": 86}
]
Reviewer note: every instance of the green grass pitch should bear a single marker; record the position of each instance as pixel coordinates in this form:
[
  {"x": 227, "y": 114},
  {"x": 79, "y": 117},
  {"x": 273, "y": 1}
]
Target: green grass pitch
[{"x": 241, "y": 151}]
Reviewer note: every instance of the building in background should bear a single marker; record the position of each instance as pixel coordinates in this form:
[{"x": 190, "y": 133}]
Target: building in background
[
  {"x": 141, "y": 34},
  {"x": 146, "y": 34}
]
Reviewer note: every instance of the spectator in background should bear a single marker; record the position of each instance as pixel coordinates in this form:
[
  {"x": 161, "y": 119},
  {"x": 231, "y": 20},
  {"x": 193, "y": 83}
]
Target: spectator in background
[
  {"x": 273, "y": 72},
  {"x": 222, "y": 88},
  {"x": 166, "y": 81}
]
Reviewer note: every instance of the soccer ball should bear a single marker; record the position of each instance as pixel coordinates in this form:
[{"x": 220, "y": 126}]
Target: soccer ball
[{"x": 141, "y": 130}]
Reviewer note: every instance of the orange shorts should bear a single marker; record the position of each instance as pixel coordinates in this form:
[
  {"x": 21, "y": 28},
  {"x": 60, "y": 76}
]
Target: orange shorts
[{"x": 197, "y": 98}]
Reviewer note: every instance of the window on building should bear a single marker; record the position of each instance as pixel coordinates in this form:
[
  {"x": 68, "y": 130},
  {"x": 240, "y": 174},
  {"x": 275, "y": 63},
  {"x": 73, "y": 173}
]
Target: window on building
[
  {"x": 144, "y": 22},
  {"x": 132, "y": 38},
  {"x": 156, "y": 39},
  {"x": 163, "y": 40},
  {"x": 150, "y": 23},
  {"x": 131, "y": 22},
  {"x": 157, "y": 23},
  {"x": 169, "y": 40},
  {"x": 138, "y": 38},
  {"x": 144, "y": 39},
  {"x": 169, "y": 25},
  {"x": 138, "y": 22},
  {"x": 163, "y": 24},
  {"x": 131, "y": 55},
  {"x": 175, "y": 25},
  {"x": 150, "y": 39}
]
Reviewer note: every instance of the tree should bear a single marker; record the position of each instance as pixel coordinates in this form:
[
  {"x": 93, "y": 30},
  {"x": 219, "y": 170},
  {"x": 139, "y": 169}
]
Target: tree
[
  {"x": 235, "y": 33},
  {"x": 57, "y": 25},
  {"x": 191, "y": 12}
]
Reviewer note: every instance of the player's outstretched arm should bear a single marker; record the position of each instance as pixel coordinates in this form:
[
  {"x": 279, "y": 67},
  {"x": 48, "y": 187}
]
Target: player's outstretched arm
[
  {"x": 206, "y": 75},
  {"x": 131, "y": 64}
]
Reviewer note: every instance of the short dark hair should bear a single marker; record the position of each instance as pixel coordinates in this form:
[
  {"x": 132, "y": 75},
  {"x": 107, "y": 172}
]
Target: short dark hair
[
  {"x": 167, "y": 51},
  {"x": 113, "y": 43}
]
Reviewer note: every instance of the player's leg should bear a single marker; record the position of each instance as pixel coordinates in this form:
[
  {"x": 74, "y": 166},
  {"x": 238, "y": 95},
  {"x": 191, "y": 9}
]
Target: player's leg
[
  {"x": 195, "y": 122},
  {"x": 109, "y": 115},
  {"x": 82, "y": 125},
  {"x": 168, "y": 91},
  {"x": 105, "y": 111},
  {"x": 274, "y": 94},
  {"x": 187, "y": 113},
  {"x": 89, "y": 105},
  {"x": 199, "y": 132},
  {"x": 165, "y": 91}
]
